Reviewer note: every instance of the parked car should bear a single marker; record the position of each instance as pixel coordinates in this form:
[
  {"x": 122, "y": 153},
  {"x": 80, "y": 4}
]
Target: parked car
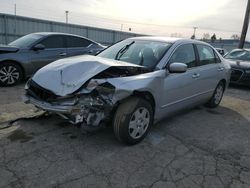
[
  {"x": 240, "y": 64},
  {"x": 132, "y": 84},
  {"x": 24, "y": 56},
  {"x": 222, "y": 51}
]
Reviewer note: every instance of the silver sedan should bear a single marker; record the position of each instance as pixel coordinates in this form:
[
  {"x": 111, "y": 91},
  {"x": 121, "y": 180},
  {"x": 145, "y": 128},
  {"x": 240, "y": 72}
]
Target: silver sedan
[{"x": 131, "y": 85}]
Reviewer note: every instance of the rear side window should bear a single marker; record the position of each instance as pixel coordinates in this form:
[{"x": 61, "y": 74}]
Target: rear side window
[
  {"x": 206, "y": 55},
  {"x": 76, "y": 42},
  {"x": 53, "y": 42},
  {"x": 184, "y": 54}
]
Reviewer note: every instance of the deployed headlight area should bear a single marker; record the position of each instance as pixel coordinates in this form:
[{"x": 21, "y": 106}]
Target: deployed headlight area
[{"x": 89, "y": 105}]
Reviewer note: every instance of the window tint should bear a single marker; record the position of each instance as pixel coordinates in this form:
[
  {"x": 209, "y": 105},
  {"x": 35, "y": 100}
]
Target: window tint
[
  {"x": 53, "y": 42},
  {"x": 74, "y": 42},
  {"x": 206, "y": 55},
  {"x": 184, "y": 54}
]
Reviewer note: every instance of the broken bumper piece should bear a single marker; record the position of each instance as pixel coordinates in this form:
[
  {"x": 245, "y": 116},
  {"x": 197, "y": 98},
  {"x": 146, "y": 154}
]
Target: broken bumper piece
[{"x": 83, "y": 111}]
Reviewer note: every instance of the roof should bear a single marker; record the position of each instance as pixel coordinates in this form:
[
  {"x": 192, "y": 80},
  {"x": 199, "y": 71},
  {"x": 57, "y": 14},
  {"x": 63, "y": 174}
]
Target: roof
[{"x": 168, "y": 39}]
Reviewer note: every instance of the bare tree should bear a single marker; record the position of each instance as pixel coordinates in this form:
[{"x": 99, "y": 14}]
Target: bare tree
[
  {"x": 235, "y": 37},
  {"x": 213, "y": 38},
  {"x": 178, "y": 35},
  {"x": 206, "y": 36}
]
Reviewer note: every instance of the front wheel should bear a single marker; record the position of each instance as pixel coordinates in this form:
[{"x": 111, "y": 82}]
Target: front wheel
[
  {"x": 10, "y": 74},
  {"x": 217, "y": 96},
  {"x": 132, "y": 120}
]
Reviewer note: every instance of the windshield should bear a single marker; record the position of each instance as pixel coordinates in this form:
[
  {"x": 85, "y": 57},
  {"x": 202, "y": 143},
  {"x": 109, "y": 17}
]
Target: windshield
[
  {"x": 26, "y": 41},
  {"x": 139, "y": 52},
  {"x": 239, "y": 55}
]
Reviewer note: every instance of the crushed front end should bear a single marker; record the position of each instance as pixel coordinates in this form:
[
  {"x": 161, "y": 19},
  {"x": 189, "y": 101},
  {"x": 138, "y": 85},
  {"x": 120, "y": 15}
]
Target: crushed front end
[{"x": 91, "y": 104}]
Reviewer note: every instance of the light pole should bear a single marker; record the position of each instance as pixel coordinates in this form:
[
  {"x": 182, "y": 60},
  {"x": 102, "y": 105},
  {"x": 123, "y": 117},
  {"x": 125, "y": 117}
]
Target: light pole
[
  {"x": 194, "y": 31},
  {"x": 67, "y": 14}
]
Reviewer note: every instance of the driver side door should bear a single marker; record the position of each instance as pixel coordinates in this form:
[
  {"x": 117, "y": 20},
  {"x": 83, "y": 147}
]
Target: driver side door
[{"x": 180, "y": 89}]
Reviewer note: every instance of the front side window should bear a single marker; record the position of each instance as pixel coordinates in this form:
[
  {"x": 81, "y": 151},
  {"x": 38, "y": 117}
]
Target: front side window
[
  {"x": 206, "y": 55},
  {"x": 53, "y": 42},
  {"x": 140, "y": 52},
  {"x": 26, "y": 41},
  {"x": 77, "y": 42},
  {"x": 184, "y": 54}
]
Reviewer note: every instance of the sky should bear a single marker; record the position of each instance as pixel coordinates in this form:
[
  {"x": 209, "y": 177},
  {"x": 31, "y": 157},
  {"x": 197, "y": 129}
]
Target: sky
[{"x": 153, "y": 17}]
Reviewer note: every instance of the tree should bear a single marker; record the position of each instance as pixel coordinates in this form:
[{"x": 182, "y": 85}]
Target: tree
[
  {"x": 213, "y": 38},
  {"x": 206, "y": 36},
  {"x": 235, "y": 37},
  {"x": 178, "y": 35}
]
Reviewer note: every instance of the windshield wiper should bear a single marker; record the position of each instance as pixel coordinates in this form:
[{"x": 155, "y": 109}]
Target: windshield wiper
[{"x": 123, "y": 50}]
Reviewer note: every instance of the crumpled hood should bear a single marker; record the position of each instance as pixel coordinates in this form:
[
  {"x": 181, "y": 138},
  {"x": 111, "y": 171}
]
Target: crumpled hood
[
  {"x": 65, "y": 76},
  {"x": 7, "y": 48}
]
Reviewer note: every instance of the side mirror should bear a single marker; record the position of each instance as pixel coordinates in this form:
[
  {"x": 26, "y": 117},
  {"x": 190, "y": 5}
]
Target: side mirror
[
  {"x": 177, "y": 67},
  {"x": 39, "y": 47}
]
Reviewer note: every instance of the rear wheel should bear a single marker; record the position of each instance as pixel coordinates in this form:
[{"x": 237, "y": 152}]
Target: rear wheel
[
  {"x": 217, "y": 96},
  {"x": 132, "y": 120},
  {"x": 10, "y": 74}
]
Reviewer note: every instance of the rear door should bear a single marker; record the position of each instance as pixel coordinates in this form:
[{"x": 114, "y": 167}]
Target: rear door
[
  {"x": 78, "y": 46},
  {"x": 210, "y": 70},
  {"x": 54, "y": 50}
]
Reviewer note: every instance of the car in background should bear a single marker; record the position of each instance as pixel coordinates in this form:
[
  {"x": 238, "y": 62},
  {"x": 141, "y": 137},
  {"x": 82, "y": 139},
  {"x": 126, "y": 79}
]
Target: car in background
[
  {"x": 240, "y": 65},
  {"x": 222, "y": 51},
  {"x": 131, "y": 85},
  {"x": 23, "y": 57}
]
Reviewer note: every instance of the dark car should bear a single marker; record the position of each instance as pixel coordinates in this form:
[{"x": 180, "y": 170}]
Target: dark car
[
  {"x": 240, "y": 65},
  {"x": 24, "y": 56}
]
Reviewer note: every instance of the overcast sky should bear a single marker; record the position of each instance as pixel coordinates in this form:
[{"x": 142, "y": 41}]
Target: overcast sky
[{"x": 155, "y": 17}]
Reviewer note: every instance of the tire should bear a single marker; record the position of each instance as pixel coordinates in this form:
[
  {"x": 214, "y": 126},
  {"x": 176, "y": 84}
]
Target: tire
[
  {"x": 10, "y": 74},
  {"x": 132, "y": 121},
  {"x": 217, "y": 96}
]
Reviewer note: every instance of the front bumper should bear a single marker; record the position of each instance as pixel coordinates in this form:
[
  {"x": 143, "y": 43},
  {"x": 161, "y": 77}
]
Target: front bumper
[
  {"x": 48, "y": 106},
  {"x": 240, "y": 76}
]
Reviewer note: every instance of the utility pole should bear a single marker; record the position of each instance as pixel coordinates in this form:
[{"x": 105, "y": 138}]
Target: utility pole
[
  {"x": 67, "y": 14},
  {"x": 245, "y": 26}
]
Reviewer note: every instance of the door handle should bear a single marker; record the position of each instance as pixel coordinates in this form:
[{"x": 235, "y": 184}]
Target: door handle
[
  {"x": 220, "y": 69},
  {"x": 196, "y": 75},
  {"x": 62, "y": 54}
]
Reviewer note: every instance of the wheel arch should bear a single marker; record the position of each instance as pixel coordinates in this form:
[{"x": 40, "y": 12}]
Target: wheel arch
[
  {"x": 147, "y": 96},
  {"x": 18, "y": 63}
]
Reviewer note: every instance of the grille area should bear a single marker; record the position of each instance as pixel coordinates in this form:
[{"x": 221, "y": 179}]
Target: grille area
[
  {"x": 39, "y": 92},
  {"x": 236, "y": 75}
]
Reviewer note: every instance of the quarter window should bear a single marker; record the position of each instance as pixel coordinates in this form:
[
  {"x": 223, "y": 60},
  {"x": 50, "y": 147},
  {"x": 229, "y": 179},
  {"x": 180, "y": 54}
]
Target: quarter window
[
  {"x": 184, "y": 54},
  {"x": 77, "y": 42},
  {"x": 53, "y": 42},
  {"x": 206, "y": 55}
]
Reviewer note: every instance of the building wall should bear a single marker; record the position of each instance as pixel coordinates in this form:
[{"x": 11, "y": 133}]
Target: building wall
[{"x": 12, "y": 27}]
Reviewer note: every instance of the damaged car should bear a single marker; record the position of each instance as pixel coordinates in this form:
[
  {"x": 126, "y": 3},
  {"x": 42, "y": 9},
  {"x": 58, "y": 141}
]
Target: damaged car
[{"x": 131, "y": 85}]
